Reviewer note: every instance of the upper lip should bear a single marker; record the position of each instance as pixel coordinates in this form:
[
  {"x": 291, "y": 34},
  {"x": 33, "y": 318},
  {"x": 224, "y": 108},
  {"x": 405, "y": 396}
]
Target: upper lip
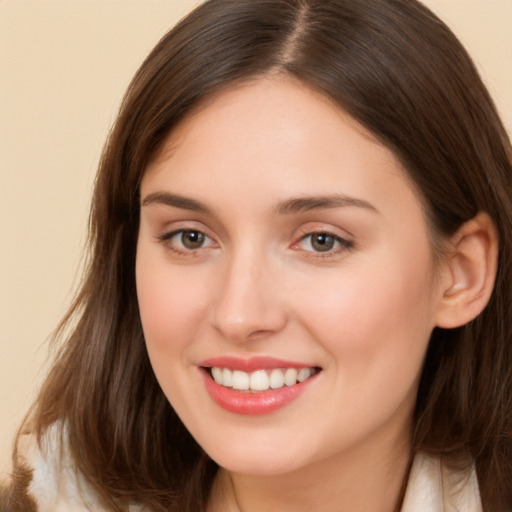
[{"x": 251, "y": 364}]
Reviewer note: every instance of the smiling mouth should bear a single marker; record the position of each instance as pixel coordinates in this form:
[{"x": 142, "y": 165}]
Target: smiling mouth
[{"x": 260, "y": 380}]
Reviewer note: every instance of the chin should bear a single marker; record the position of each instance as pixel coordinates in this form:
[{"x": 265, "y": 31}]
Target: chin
[{"x": 254, "y": 460}]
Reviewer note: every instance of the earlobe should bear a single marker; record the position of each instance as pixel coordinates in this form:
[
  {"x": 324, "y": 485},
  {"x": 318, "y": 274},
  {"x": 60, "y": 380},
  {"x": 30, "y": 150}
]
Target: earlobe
[{"x": 468, "y": 272}]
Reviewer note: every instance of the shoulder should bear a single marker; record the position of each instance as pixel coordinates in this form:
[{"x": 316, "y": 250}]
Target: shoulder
[
  {"x": 434, "y": 487},
  {"x": 51, "y": 481},
  {"x": 54, "y": 483}
]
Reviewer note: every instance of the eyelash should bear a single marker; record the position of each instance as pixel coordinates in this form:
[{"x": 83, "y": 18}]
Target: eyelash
[
  {"x": 183, "y": 252},
  {"x": 342, "y": 244}
]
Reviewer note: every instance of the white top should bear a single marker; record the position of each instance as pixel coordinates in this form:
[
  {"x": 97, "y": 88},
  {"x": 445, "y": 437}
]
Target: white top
[{"x": 432, "y": 487}]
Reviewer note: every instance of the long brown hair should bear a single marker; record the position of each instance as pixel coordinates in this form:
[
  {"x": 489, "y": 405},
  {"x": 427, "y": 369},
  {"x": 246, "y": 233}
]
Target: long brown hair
[{"x": 400, "y": 72}]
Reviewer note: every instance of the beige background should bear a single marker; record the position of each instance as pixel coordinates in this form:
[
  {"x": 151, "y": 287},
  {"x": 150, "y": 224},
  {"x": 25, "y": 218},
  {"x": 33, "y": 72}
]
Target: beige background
[{"x": 64, "y": 65}]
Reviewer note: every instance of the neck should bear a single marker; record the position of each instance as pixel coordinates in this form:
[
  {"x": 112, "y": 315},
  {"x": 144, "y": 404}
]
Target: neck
[{"x": 366, "y": 479}]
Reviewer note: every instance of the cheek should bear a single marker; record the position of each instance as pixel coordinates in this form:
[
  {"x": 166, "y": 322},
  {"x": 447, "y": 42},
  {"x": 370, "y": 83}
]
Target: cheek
[
  {"x": 370, "y": 301},
  {"x": 170, "y": 304},
  {"x": 375, "y": 324},
  {"x": 376, "y": 329}
]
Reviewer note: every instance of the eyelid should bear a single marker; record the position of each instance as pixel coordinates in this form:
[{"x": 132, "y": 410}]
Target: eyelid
[
  {"x": 310, "y": 228},
  {"x": 184, "y": 252},
  {"x": 344, "y": 243},
  {"x": 166, "y": 230},
  {"x": 337, "y": 238},
  {"x": 171, "y": 234}
]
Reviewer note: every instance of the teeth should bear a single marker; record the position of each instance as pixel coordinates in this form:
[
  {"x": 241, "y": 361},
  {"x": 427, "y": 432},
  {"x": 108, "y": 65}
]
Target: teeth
[
  {"x": 276, "y": 379},
  {"x": 260, "y": 380},
  {"x": 290, "y": 376},
  {"x": 217, "y": 375},
  {"x": 304, "y": 373},
  {"x": 227, "y": 378},
  {"x": 240, "y": 380}
]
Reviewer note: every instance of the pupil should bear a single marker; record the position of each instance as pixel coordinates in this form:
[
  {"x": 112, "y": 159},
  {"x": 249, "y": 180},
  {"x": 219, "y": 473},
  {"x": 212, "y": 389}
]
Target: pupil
[
  {"x": 192, "y": 239},
  {"x": 322, "y": 242}
]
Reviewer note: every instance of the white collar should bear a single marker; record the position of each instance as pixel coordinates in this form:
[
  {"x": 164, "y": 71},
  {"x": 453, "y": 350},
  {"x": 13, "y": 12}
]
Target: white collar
[{"x": 433, "y": 487}]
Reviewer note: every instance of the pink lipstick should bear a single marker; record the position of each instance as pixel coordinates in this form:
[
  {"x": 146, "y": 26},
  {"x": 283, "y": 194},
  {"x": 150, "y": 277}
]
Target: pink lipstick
[{"x": 255, "y": 386}]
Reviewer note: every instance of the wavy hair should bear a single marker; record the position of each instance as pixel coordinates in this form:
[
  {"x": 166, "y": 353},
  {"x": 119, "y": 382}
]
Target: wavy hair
[{"x": 401, "y": 73}]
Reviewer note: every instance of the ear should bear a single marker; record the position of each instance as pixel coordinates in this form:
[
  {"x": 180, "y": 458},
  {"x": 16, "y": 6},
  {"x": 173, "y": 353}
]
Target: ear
[{"x": 468, "y": 272}]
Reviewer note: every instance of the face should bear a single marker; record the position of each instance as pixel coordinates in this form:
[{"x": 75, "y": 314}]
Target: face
[{"x": 285, "y": 280}]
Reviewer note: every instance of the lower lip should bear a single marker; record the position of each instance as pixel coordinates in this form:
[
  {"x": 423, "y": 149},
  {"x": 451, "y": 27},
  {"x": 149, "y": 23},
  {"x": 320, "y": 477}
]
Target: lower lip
[{"x": 254, "y": 403}]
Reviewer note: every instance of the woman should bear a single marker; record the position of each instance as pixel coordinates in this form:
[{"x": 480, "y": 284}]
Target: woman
[{"x": 299, "y": 287}]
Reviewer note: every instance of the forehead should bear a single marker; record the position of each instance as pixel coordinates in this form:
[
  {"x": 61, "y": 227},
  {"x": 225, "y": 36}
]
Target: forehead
[
  {"x": 271, "y": 137},
  {"x": 259, "y": 100}
]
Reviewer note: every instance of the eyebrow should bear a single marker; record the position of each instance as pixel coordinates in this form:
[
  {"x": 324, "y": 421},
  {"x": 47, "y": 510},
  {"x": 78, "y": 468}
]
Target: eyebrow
[
  {"x": 176, "y": 201},
  {"x": 308, "y": 203},
  {"x": 286, "y": 207}
]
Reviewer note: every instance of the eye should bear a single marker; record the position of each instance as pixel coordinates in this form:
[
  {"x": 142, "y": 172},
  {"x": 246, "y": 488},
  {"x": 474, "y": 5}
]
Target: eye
[
  {"x": 192, "y": 239},
  {"x": 184, "y": 240},
  {"x": 324, "y": 242}
]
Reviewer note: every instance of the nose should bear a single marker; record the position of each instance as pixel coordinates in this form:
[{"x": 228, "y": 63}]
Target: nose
[{"x": 249, "y": 302}]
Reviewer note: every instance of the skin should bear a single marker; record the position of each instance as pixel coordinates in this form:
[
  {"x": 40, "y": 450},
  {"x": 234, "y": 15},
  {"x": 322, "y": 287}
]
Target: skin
[{"x": 362, "y": 312}]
